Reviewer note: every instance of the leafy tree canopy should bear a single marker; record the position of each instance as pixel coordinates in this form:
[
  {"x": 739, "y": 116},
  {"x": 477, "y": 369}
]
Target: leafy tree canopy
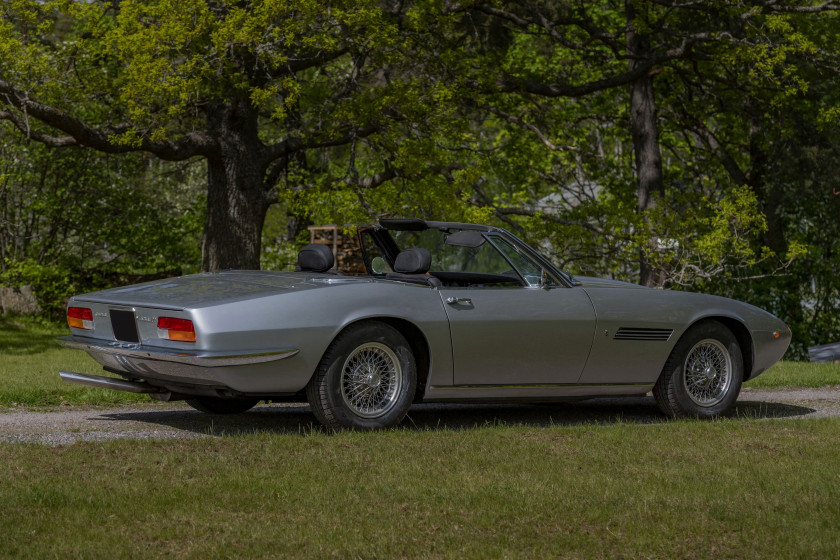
[
  {"x": 667, "y": 142},
  {"x": 250, "y": 87}
]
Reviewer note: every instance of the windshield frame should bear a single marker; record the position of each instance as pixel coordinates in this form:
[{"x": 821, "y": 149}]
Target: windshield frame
[{"x": 386, "y": 244}]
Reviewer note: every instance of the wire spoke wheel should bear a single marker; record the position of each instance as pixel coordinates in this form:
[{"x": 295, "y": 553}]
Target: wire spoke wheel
[
  {"x": 702, "y": 376},
  {"x": 366, "y": 379},
  {"x": 707, "y": 372},
  {"x": 371, "y": 379}
]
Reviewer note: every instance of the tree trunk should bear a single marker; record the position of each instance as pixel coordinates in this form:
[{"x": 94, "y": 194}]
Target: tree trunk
[
  {"x": 236, "y": 199},
  {"x": 645, "y": 134},
  {"x": 770, "y": 198}
]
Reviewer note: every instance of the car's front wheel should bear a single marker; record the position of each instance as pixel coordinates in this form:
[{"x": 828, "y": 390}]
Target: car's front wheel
[
  {"x": 366, "y": 379},
  {"x": 216, "y": 405},
  {"x": 702, "y": 377}
]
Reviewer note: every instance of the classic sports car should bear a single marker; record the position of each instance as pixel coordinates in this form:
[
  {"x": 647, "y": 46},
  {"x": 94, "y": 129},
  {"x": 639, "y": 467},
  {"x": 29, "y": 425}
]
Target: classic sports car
[{"x": 447, "y": 312}]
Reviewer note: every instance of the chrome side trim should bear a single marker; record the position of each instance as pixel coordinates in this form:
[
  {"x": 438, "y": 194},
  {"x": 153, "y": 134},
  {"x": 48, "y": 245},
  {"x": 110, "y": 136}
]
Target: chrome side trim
[
  {"x": 533, "y": 392},
  {"x": 540, "y": 386},
  {"x": 107, "y": 382},
  {"x": 201, "y": 359}
]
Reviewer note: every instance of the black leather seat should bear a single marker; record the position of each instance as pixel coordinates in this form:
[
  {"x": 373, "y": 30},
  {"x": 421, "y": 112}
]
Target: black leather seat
[
  {"x": 315, "y": 257},
  {"x": 412, "y": 265}
]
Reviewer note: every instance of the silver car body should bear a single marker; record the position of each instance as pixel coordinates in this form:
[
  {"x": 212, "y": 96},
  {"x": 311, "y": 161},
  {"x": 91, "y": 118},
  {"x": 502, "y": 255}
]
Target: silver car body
[{"x": 263, "y": 334}]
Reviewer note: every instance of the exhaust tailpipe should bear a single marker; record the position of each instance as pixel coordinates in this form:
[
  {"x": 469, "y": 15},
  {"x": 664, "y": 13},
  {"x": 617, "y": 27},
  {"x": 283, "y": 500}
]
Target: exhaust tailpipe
[{"x": 108, "y": 383}]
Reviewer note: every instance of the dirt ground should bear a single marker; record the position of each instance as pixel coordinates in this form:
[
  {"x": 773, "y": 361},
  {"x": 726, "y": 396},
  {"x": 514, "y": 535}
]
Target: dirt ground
[{"x": 177, "y": 420}]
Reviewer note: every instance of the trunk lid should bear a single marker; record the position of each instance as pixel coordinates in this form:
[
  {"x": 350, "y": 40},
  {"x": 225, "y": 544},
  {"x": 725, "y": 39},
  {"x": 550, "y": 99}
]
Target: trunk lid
[{"x": 200, "y": 290}]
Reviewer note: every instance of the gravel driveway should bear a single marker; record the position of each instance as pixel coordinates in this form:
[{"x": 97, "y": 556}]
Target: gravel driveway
[{"x": 178, "y": 421}]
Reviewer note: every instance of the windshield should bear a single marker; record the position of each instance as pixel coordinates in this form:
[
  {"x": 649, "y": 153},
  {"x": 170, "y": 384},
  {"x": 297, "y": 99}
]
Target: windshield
[{"x": 486, "y": 254}]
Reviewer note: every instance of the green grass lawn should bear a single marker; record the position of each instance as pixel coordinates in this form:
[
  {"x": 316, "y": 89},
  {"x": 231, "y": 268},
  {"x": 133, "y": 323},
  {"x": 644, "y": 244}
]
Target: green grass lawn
[
  {"x": 736, "y": 488},
  {"x": 31, "y": 360},
  {"x": 797, "y": 374},
  {"x": 29, "y": 363}
]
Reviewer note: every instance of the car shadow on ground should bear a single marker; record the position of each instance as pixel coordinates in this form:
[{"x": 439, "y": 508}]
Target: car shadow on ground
[{"x": 298, "y": 419}]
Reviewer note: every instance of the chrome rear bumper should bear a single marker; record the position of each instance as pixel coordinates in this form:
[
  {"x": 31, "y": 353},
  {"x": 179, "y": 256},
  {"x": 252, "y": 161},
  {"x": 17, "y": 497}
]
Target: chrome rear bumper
[{"x": 202, "y": 359}]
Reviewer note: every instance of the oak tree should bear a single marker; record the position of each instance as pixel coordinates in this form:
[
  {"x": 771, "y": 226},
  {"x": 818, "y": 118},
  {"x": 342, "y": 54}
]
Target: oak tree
[{"x": 249, "y": 87}]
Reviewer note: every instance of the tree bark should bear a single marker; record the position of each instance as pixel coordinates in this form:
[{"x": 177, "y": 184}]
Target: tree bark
[
  {"x": 645, "y": 134},
  {"x": 236, "y": 196},
  {"x": 235, "y": 215},
  {"x": 771, "y": 198}
]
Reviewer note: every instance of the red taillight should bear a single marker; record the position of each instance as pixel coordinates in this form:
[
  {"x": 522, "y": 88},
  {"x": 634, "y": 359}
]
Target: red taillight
[
  {"x": 80, "y": 318},
  {"x": 176, "y": 329}
]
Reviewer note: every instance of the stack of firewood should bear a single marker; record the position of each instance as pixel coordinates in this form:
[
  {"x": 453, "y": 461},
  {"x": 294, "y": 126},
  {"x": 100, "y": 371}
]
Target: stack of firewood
[{"x": 344, "y": 243}]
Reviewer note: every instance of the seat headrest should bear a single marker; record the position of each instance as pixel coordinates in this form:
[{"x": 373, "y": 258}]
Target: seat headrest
[
  {"x": 315, "y": 258},
  {"x": 413, "y": 261}
]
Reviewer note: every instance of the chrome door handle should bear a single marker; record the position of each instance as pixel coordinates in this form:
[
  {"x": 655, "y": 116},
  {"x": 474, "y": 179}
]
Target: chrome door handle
[{"x": 458, "y": 300}]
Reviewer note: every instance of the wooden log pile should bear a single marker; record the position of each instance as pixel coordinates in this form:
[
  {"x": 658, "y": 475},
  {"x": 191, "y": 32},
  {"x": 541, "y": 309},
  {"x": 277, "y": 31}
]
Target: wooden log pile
[{"x": 345, "y": 247}]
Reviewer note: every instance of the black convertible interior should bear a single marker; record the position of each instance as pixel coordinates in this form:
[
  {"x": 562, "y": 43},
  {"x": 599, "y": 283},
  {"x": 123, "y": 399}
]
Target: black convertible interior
[{"x": 411, "y": 265}]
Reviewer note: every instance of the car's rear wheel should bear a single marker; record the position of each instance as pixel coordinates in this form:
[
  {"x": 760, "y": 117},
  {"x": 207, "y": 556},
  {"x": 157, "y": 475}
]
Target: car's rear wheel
[
  {"x": 702, "y": 377},
  {"x": 216, "y": 405},
  {"x": 366, "y": 379}
]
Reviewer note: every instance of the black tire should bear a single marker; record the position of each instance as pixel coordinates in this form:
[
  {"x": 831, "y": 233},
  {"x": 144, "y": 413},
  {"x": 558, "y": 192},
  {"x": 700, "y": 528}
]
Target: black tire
[
  {"x": 366, "y": 379},
  {"x": 703, "y": 374},
  {"x": 216, "y": 405}
]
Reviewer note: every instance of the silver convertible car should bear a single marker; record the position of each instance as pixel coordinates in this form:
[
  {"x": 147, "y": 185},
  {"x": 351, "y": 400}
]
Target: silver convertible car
[{"x": 447, "y": 312}]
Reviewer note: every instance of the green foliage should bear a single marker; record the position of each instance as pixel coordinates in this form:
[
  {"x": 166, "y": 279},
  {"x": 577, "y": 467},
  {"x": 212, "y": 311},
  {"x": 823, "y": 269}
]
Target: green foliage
[
  {"x": 279, "y": 256},
  {"x": 719, "y": 242},
  {"x": 736, "y": 222},
  {"x": 52, "y": 286},
  {"x": 76, "y": 221}
]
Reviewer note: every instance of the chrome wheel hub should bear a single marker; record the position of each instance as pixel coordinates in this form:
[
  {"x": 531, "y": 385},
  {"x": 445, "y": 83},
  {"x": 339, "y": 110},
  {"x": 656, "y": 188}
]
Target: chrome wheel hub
[
  {"x": 371, "y": 378},
  {"x": 708, "y": 372}
]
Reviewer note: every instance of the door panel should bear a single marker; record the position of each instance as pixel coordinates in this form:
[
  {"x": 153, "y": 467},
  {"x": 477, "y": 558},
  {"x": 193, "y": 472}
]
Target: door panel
[{"x": 519, "y": 336}]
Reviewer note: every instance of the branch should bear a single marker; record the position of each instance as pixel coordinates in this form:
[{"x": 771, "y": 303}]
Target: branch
[
  {"x": 687, "y": 273},
  {"x": 512, "y": 84},
  {"x": 354, "y": 134},
  {"x": 732, "y": 168},
  {"x": 23, "y": 126},
  {"x": 772, "y": 7},
  {"x": 526, "y": 22},
  {"x": 520, "y": 211},
  {"x": 489, "y": 202},
  {"x": 518, "y": 121},
  {"x": 294, "y": 144},
  {"x": 81, "y": 134},
  {"x": 376, "y": 179},
  {"x": 769, "y": 6},
  {"x": 504, "y": 213},
  {"x": 295, "y": 65},
  {"x": 392, "y": 172}
]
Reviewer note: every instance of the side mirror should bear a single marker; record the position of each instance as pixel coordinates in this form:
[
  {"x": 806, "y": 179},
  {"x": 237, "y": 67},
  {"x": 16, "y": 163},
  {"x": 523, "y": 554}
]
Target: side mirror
[{"x": 379, "y": 266}]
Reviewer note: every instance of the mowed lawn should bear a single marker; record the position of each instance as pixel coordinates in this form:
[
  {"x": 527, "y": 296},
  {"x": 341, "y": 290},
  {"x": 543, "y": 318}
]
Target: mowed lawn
[
  {"x": 722, "y": 489},
  {"x": 30, "y": 360}
]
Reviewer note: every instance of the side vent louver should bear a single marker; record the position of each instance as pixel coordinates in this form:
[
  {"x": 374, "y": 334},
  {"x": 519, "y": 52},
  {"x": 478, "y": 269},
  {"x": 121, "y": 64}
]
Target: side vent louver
[{"x": 634, "y": 333}]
